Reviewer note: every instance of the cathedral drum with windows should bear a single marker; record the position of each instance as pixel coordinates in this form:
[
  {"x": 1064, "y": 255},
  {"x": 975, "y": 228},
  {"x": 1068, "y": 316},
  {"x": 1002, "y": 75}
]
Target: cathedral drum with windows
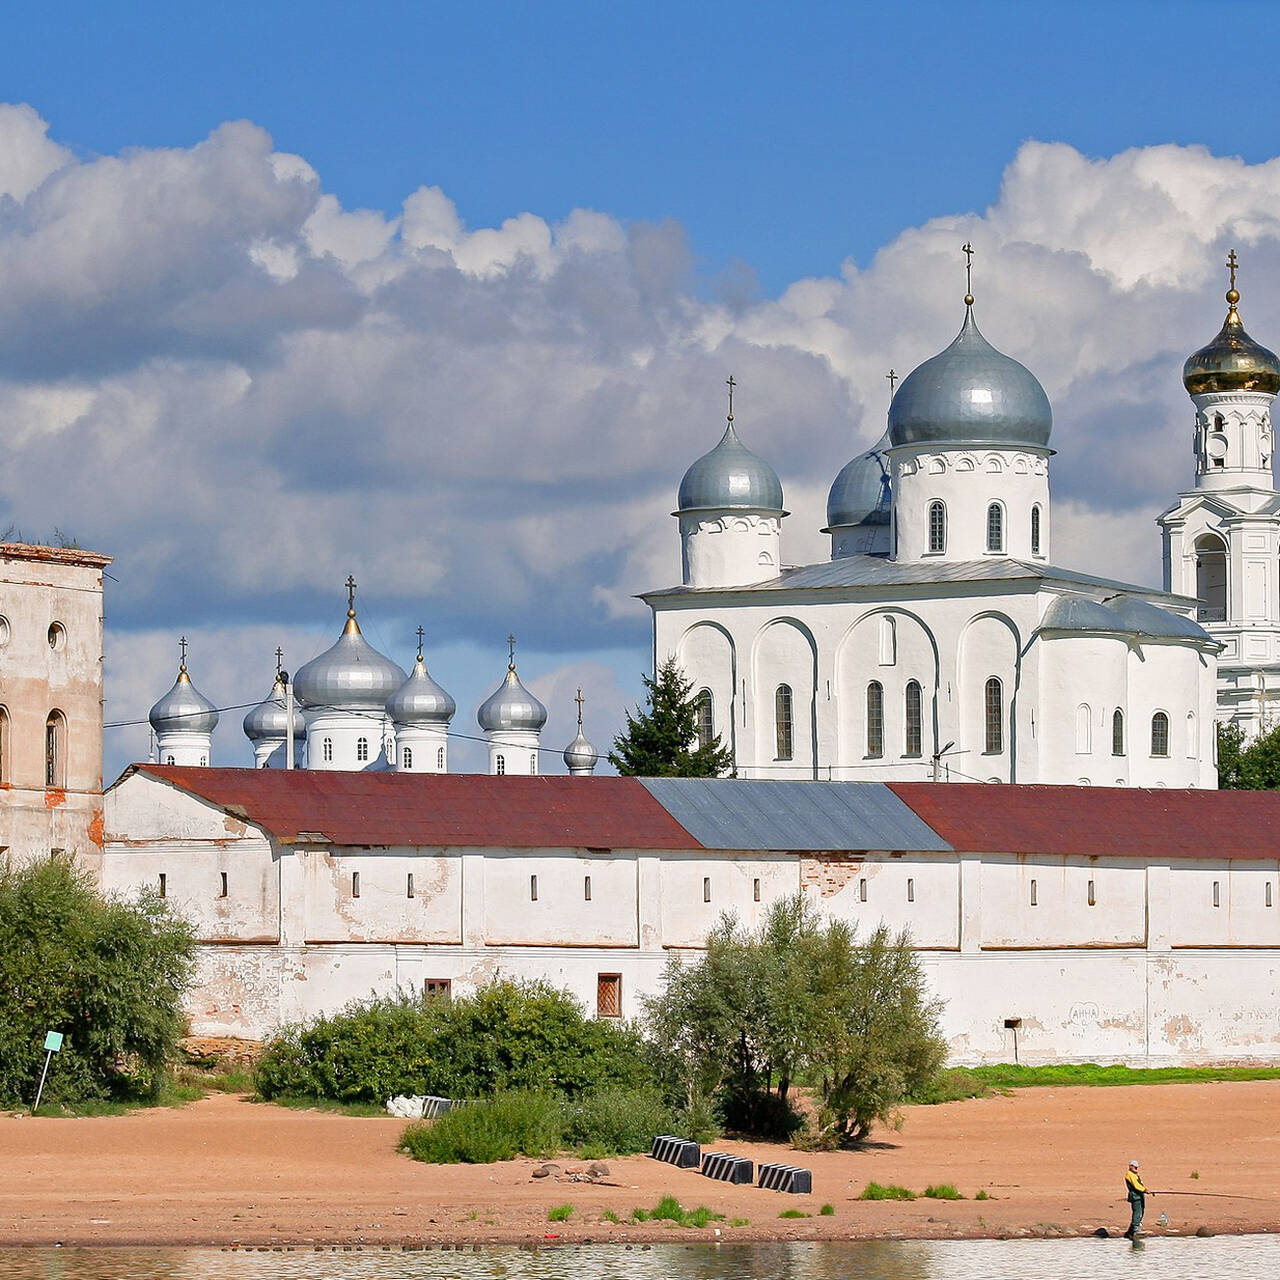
[{"x": 939, "y": 640}]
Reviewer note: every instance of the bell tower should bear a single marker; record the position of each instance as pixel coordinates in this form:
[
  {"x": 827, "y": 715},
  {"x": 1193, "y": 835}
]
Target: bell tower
[{"x": 1222, "y": 538}]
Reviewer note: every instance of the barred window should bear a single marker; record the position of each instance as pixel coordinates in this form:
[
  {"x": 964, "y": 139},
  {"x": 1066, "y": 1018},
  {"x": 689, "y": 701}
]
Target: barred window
[
  {"x": 326, "y": 750},
  {"x": 406, "y": 758},
  {"x": 937, "y": 527},
  {"x": 995, "y": 527},
  {"x": 875, "y": 720},
  {"x": 994, "y": 716},
  {"x": 500, "y": 764},
  {"x": 362, "y": 749},
  {"x": 782, "y": 721},
  {"x": 914, "y": 717}
]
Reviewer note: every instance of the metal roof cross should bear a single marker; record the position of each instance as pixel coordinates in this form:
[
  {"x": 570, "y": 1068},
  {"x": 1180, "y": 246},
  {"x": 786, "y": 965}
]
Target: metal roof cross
[
  {"x": 421, "y": 633},
  {"x": 579, "y": 700},
  {"x": 730, "y": 383},
  {"x": 511, "y": 644},
  {"x": 893, "y": 382},
  {"x": 351, "y": 596},
  {"x": 967, "y": 250},
  {"x": 182, "y": 649}
]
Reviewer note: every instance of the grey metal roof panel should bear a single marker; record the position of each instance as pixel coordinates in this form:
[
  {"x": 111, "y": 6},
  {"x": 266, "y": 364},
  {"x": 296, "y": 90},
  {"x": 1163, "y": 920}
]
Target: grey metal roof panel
[
  {"x": 735, "y": 813},
  {"x": 879, "y": 571}
]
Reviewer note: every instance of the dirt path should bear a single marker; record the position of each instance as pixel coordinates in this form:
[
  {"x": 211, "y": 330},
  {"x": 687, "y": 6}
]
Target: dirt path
[{"x": 225, "y": 1170}]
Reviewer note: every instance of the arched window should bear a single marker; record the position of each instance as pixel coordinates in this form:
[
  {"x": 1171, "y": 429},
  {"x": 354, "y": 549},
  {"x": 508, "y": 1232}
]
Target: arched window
[
  {"x": 1117, "y": 732},
  {"x": 326, "y": 750},
  {"x": 1083, "y": 736},
  {"x": 702, "y": 714},
  {"x": 533, "y": 762},
  {"x": 4, "y": 744},
  {"x": 1211, "y": 578},
  {"x": 406, "y": 757},
  {"x": 993, "y": 716},
  {"x": 995, "y": 527},
  {"x": 1159, "y": 734},
  {"x": 875, "y": 720},
  {"x": 439, "y": 757},
  {"x": 362, "y": 749},
  {"x": 937, "y": 527},
  {"x": 500, "y": 764},
  {"x": 168, "y": 760},
  {"x": 1035, "y": 530},
  {"x": 782, "y": 721},
  {"x": 55, "y": 750},
  {"x": 914, "y": 708},
  {"x": 1193, "y": 738}
]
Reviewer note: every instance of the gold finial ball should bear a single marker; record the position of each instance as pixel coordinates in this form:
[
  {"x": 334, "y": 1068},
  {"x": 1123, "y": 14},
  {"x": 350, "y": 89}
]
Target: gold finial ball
[
  {"x": 968, "y": 299},
  {"x": 1233, "y": 296}
]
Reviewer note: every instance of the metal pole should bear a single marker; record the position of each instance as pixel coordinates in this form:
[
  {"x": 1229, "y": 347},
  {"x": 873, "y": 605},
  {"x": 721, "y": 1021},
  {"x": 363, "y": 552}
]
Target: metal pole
[
  {"x": 48, "y": 1058},
  {"x": 288, "y": 707}
]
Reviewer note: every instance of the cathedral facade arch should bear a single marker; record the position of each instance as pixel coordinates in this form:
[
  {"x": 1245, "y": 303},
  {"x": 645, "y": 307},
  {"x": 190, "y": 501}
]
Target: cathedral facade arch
[
  {"x": 989, "y": 650},
  {"x": 859, "y": 663},
  {"x": 784, "y": 655},
  {"x": 708, "y": 656}
]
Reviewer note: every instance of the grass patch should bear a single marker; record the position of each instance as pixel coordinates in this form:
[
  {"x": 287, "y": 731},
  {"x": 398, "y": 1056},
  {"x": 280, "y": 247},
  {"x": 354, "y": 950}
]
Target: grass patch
[
  {"x": 560, "y": 1213},
  {"x": 942, "y": 1191},
  {"x": 982, "y": 1195},
  {"x": 610, "y": 1216},
  {"x": 827, "y": 1211},
  {"x": 740, "y": 1222},
  {"x": 955, "y": 1083},
  {"x": 669, "y": 1209},
  {"x": 876, "y": 1191},
  {"x": 794, "y": 1213},
  {"x": 1195, "y": 1175}
]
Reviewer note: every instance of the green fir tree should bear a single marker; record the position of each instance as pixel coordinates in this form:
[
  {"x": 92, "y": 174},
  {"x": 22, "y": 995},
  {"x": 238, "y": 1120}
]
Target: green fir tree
[
  {"x": 1248, "y": 767},
  {"x": 661, "y": 741}
]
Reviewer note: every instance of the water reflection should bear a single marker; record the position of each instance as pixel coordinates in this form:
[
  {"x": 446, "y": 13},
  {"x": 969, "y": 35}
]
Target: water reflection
[{"x": 1242, "y": 1257}]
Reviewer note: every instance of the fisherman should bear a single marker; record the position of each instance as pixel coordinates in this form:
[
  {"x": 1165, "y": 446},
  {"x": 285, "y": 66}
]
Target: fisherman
[{"x": 1137, "y": 1194}]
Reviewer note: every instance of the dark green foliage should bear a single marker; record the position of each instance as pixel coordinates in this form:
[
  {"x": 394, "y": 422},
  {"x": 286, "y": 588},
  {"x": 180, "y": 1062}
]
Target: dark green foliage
[
  {"x": 797, "y": 996},
  {"x": 1255, "y": 767},
  {"x": 877, "y": 1191},
  {"x": 108, "y": 974},
  {"x": 509, "y": 1035},
  {"x": 661, "y": 741},
  {"x": 612, "y": 1122}
]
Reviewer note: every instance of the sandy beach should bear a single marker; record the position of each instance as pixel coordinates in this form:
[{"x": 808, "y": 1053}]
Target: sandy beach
[{"x": 225, "y": 1171}]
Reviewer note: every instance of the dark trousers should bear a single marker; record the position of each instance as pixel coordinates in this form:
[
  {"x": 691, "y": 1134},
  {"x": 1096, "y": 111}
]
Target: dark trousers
[{"x": 1138, "y": 1205}]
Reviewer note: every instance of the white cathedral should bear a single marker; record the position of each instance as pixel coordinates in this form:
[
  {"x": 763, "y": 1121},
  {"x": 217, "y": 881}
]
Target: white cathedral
[{"x": 939, "y": 641}]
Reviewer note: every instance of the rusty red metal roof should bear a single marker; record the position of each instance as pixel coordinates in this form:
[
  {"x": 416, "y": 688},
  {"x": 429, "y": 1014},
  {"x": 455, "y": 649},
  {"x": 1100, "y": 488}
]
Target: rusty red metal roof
[
  {"x": 436, "y": 809},
  {"x": 1112, "y": 822}
]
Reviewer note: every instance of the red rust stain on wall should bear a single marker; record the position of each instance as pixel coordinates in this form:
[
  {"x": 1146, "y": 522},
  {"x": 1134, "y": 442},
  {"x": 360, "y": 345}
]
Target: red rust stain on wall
[
  {"x": 53, "y": 797},
  {"x": 95, "y": 829}
]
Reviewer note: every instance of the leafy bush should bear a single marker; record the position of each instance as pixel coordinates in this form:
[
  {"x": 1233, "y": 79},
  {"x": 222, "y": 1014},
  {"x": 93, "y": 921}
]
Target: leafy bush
[
  {"x": 560, "y": 1213},
  {"x": 875, "y": 1191},
  {"x": 499, "y": 1128},
  {"x": 942, "y": 1191},
  {"x": 828, "y": 1211},
  {"x": 508, "y": 1035},
  {"x": 617, "y": 1121},
  {"x": 108, "y": 974},
  {"x": 760, "y": 1113}
]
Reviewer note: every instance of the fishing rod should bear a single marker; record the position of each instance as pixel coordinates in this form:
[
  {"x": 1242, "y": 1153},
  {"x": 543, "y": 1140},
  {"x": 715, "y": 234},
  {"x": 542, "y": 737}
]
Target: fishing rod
[{"x": 1217, "y": 1195}]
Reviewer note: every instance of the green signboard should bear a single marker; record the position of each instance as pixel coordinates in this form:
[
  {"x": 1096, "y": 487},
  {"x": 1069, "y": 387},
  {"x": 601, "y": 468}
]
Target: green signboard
[{"x": 53, "y": 1042}]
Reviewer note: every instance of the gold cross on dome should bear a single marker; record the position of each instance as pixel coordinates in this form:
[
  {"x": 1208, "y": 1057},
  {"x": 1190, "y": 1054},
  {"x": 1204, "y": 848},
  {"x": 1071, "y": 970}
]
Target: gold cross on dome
[
  {"x": 579, "y": 700},
  {"x": 1232, "y": 263},
  {"x": 730, "y": 383}
]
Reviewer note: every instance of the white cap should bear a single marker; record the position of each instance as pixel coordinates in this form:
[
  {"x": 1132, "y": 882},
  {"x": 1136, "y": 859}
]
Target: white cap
[{"x": 1133, "y": 1164}]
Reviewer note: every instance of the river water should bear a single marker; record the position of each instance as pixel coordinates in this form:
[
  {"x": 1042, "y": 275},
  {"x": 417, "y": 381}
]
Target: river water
[{"x": 1163, "y": 1258}]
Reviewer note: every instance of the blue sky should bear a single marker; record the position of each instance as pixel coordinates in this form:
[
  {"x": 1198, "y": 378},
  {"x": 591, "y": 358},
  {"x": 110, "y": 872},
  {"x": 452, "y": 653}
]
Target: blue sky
[
  {"x": 783, "y": 137},
  {"x": 444, "y": 296}
]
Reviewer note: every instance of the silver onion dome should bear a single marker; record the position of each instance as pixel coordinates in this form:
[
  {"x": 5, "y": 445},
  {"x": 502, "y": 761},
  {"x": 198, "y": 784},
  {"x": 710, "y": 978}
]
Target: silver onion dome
[
  {"x": 184, "y": 709},
  {"x": 270, "y": 718},
  {"x": 730, "y": 476},
  {"x": 580, "y": 756},
  {"x": 971, "y": 394},
  {"x": 420, "y": 700},
  {"x": 350, "y": 676},
  {"x": 860, "y": 493},
  {"x": 511, "y": 705}
]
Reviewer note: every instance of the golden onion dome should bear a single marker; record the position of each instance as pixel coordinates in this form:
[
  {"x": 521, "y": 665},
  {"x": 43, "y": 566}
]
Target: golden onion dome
[{"x": 1232, "y": 361}]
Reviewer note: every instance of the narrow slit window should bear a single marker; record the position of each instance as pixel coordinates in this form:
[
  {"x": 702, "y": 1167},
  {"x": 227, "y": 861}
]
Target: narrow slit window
[
  {"x": 1117, "y": 732},
  {"x": 439, "y": 757},
  {"x": 911, "y": 889},
  {"x": 1035, "y": 530},
  {"x": 994, "y": 716},
  {"x": 1268, "y": 893},
  {"x": 1033, "y": 893},
  {"x": 533, "y": 888},
  {"x": 164, "y": 885},
  {"x": 706, "y": 888},
  {"x": 755, "y": 891},
  {"x": 875, "y": 720},
  {"x": 862, "y": 891},
  {"x": 782, "y": 722},
  {"x": 222, "y": 885},
  {"x": 1093, "y": 897},
  {"x": 995, "y": 527},
  {"x": 937, "y": 528},
  {"x": 1217, "y": 897},
  {"x": 326, "y": 750},
  {"x": 533, "y": 762},
  {"x": 406, "y": 757},
  {"x": 703, "y": 718},
  {"x": 500, "y": 765},
  {"x": 914, "y": 709},
  {"x": 355, "y": 884},
  {"x": 586, "y": 888},
  {"x": 408, "y": 885}
]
